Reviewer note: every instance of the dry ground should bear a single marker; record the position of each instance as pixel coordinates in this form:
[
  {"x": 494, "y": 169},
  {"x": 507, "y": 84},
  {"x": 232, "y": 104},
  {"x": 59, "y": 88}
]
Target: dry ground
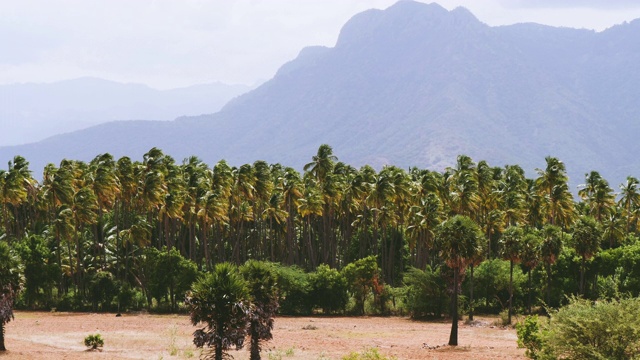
[{"x": 41, "y": 335}]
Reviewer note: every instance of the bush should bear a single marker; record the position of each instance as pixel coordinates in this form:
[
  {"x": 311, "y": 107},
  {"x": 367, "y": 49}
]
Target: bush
[
  {"x": 293, "y": 290},
  {"x": 426, "y": 294},
  {"x": 93, "y": 341},
  {"x": 491, "y": 283},
  {"x": 328, "y": 289},
  {"x": 530, "y": 337},
  {"x": 586, "y": 330}
]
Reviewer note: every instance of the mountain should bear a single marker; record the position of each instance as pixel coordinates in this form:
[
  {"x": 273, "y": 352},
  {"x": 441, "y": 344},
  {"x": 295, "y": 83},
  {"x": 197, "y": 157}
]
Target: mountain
[
  {"x": 416, "y": 85},
  {"x": 37, "y": 111}
]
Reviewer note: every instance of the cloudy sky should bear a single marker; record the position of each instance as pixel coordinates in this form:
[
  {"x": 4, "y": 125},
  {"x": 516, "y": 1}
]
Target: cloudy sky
[{"x": 173, "y": 43}]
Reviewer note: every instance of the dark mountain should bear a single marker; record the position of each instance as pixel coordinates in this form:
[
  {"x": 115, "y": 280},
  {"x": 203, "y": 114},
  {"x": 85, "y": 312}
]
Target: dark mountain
[
  {"x": 36, "y": 111},
  {"x": 416, "y": 85}
]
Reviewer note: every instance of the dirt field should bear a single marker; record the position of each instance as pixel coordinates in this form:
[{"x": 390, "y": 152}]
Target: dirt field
[{"x": 40, "y": 335}]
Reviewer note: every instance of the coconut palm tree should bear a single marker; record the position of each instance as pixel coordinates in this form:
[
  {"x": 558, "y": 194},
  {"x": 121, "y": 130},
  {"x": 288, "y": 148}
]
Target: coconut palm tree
[
  {"x": 552, "y": 184},
  {"x": 629, "y": 199},
  {"x": 511, "y": 244},
  {"x": 586, "y": 242}
]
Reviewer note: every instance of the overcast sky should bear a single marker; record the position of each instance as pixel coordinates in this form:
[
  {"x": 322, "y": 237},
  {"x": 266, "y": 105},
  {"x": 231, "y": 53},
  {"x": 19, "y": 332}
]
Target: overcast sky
[{"x": 173, "y": 43}]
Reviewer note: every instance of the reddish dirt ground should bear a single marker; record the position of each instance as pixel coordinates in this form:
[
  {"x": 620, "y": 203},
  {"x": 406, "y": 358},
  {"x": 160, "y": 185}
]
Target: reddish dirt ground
[{"x": 41, "y": 335}]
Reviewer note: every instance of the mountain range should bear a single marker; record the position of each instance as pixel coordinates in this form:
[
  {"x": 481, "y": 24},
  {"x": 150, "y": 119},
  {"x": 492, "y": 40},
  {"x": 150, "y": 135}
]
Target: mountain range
[
  {"x": 415, "y": 85},
  {"x": 33, "y": 112}
]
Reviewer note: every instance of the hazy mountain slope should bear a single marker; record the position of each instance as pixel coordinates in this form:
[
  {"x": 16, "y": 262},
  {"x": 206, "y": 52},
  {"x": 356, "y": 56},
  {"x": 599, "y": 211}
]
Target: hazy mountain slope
[
  {"x": 417, "y": 85},
  {"x": 36, "y": 111}
]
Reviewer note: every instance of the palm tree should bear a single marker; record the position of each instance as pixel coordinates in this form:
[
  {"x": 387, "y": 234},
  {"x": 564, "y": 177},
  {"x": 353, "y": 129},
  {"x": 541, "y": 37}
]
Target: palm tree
[
  {"x": 9, "y": 285},
  {"x": 291, "y": 193},
  {"x": 552, "y": 185},
  {"x": 262, "y": 288},
  {"x": 220, "y": 300},
  {"x": 629, "y": 198},
  {"x": 530, "y": 257},
  {"x": 550, "y": 249},
  {"x": 511, "y": 249},
  {"x": 459, "y": 243},
  {"x": 598, "y": 195},
  {"x": 613, "y": 227},
  {"x": 586, "y": 242}
]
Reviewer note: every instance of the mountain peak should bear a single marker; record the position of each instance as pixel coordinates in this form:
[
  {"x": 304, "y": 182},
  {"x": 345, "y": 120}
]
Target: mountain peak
[{"x": 404, "y": 18}]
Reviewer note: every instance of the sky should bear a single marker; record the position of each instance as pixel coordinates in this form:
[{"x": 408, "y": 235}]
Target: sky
[{"x": 176, "y": 43}]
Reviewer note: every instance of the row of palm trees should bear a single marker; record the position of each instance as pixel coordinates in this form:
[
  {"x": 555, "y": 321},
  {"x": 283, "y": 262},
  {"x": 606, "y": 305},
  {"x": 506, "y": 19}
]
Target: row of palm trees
[{"x": 100, "y": 215}]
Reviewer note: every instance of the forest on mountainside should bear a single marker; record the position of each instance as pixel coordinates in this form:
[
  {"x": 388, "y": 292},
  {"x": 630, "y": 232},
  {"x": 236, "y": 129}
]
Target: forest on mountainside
[{"x": 116, "y": 234}]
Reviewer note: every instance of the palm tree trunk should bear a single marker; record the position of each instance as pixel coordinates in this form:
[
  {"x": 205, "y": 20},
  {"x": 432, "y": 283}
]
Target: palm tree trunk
[
  {"x": 453, "y": 337},
  {"x": 510, "y": 290},
  {"x": 2, "y": 348},
  {"x": 529, "y": 293},
  {"x": 582, "y": 263},
  {"x": 471, "y": 295},
  {"x": 255, "y": 342}
]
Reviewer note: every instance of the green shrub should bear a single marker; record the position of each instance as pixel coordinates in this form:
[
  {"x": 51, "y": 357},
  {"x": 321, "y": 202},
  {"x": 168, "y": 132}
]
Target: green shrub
[
  {"x": 293, "y": 290},
  {"x": 530, "y": 336},
  {"x": 93, "y": 341},
  {"x": 328, "y": 289},
  {"x": 601, "y": 330},
  {"x": 369, "y": 354},
  {"x": 585, "y": 329},
  {"x": 426, "y": 292}
]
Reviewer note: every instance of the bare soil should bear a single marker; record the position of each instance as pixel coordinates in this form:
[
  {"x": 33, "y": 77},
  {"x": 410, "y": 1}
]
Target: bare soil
[{"x": 42, "y": 335}]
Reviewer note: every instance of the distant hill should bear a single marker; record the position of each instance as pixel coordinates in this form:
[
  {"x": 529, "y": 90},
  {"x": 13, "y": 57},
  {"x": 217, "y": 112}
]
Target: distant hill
[
  {"x": 416, "y": 85},
  {"x": 36, "y": 111}
]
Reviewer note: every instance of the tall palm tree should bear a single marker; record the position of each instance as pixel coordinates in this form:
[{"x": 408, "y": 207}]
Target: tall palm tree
[
  {"x": 552, "y": 185},
  {"x": 530, "y": 257},
  {"x": 586, "y": 242},
  {"x": 598, "y": 195},
  {"x": 550, "y": 249},
  {"x": 511, "y": 244},
  {"x": 629, "y": 199}
]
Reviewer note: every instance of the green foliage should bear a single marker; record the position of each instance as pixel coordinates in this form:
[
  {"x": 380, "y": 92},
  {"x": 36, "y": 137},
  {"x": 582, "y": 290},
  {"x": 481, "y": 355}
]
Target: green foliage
[
  {"x": 262, "y": 287},
  {"x": 221, "y": 301},
  {"x": 40, "y": 271},
  {"x": 363, "y": 278},
  {"x": 103, "y": 289},
  {"x": 593, "y": 330},
  {"x": 492, "y": 284},
  {"x": 530, "y": 336},
  {"x": 426, "y": 292},
  {"x": 293, "y": 290},
  {"x": 9, "y": 286},
  {"x": 93, "y": 341},
  {"x": 329, "y": 289},
  {"x": 169, "y": 274},
  {"x": 369, "y": 354},
  {"x": 607, "y": 263}
]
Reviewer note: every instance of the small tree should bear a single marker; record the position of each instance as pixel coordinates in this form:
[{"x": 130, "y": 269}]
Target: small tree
[
  {"x": 220, "y": 300},
  {"x": 459, "y": 242},
  {"x": 328, "y": 289},
  {"x": 262, "y": 287},
  {"x": 9, "y": 285},
  {"x": 363, "y": 277}
]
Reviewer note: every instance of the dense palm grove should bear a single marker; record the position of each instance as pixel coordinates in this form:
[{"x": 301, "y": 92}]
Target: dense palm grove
[{"x": 96, "y": 234}]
